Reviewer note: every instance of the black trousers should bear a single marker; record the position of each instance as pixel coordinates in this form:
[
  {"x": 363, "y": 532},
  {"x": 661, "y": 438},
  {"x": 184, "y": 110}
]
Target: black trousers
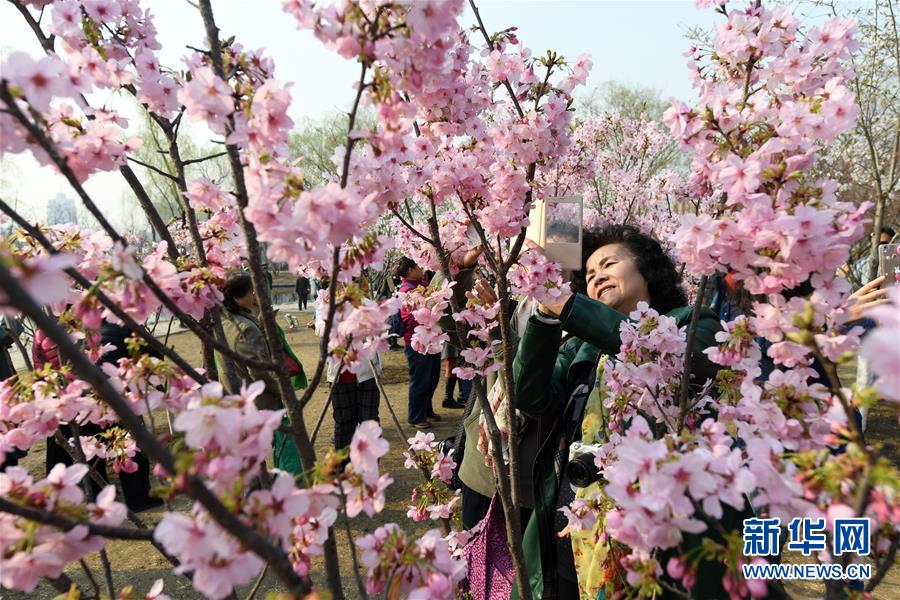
[
  {"x": 353, "y": 403},
  {"x": 302, "y": 299},
  {"x": 136, "y": 486}
]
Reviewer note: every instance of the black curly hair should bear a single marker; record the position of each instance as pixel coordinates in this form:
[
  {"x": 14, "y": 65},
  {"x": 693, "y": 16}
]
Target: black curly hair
[
  {"x": 237, "y": 285},
  {"x": 654, "y": 264},
  {"x": 404, "y": 266}
]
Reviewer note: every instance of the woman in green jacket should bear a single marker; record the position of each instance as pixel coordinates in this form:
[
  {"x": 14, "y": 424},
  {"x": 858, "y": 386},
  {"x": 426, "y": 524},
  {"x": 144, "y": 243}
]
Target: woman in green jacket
[{"x": 622, "y": 267}]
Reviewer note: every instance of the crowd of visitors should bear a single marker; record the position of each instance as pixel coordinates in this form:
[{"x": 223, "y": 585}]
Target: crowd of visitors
[{"x": 561, "y": 351}]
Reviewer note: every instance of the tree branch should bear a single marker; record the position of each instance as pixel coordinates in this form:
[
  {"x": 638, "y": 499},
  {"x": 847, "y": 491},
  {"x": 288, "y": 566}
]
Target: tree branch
[
  {"x": 683, "y": 395},
  {"x": 61, "y": 163},
  {"x": 159, "y": 226},
  {"x": 490, "y": 43},
  {"x": 45, "y": 41},
  {"x": 288, "y": 395},
  {"x": 152, "y": 168},
  {"x": 192, "y": 161},
  {"x": 65, "y": 523}
]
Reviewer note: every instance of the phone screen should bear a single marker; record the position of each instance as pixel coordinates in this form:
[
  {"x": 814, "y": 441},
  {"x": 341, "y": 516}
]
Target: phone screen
[
  {"x": 563, "y": 223},
  {"x": 889, "y": 263}
]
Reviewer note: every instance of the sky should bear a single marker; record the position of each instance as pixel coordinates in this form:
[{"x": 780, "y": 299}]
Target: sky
[{"x": 634, "y": 42}]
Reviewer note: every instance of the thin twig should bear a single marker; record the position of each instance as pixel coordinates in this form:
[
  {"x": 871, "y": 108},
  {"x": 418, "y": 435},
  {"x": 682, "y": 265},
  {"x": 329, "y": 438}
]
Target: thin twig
[
  {"x": 328, "y": 401},
  {"x": 360, "y": 586},
  {"x": 192, "y": 161},
  {"x": 107, "y": 573},
  {"x": 152, "y": 168},
  {"x": 259, "y": 580},
  {"x": 90, "y": 577},
  {"x": 683, "y": 395}
]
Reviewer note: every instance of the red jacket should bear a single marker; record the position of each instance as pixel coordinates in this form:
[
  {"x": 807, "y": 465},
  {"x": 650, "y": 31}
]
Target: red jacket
[
  {"x": 44, "y": 351},
  {"x": 409, "y": 321}
]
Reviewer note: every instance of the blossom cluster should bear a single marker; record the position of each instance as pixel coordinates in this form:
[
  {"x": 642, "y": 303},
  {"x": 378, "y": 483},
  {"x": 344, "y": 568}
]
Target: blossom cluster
[
  {"x": 30, "y": 550},
  {"x": 431, "y": 500},
  {"x": 427, "y": 306},
  {"x": 420, "y": 568}
]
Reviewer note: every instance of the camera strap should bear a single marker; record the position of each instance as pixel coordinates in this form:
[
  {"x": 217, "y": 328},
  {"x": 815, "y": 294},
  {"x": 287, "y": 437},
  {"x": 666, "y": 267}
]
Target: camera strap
[{"x": 578, "y": 399}]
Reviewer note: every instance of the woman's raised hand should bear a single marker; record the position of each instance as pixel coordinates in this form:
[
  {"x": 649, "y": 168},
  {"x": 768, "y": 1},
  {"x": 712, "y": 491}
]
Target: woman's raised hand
[{"x": 866, "y": 297}]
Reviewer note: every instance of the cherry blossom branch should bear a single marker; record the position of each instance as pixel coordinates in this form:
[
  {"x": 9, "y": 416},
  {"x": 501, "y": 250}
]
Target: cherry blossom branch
[
  {"x": 884, "y": 566},
  {"x": 114, "y": 308},
  {"x": 289, "y": 398},
  {"x": 107, "y": 573},
  {"x": 90, "y": 577},
  {"x": 834, "y": 382},
  {"x": 490, "y": 43},
  {"x": 146, "y": 440},
  {"x": 76, "y": 452},
  {"x": 256, "y": 585},
  {"x": 61, "y": 163},
  {"x": 506, "y": 341},
  {"x": 335, "y": 266},
  {"x": 153, "y": 216},
  {"x": 156, "y": 220},
  {"x": 65, "y": 523},
  {"x": 671, "y": 588},
  {"x": 213, "y": 316},
  {"x": 351, "y": 140},
  {"x": 45, "y": 41}
]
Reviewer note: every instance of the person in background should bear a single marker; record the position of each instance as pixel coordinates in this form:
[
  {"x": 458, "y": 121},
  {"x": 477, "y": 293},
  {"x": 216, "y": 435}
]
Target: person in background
[
  {"x": 424, "y": 369},
  {"x": 270, "y": 280},
  {"x": 9, "y": 332},
  {"x": 10, "y": 329},
  {"x": 245, "y": 336},
  {"x": 449, "y": 354},
  {"x": 302, "y": 288},
  {"x": 136, "y": 485},
  {"x": 354, "y": 396}
]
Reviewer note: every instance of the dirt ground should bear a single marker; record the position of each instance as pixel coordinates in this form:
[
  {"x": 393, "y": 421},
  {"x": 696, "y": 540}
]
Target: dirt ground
[{"x": 139, "y": 564}]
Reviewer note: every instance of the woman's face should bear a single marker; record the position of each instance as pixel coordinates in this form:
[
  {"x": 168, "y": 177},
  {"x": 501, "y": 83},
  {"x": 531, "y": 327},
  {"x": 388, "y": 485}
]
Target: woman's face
[
  {"x": 248, "y": 302},
  {"x": 613, "y": 278},
  {"x": 415, "y": 274}
]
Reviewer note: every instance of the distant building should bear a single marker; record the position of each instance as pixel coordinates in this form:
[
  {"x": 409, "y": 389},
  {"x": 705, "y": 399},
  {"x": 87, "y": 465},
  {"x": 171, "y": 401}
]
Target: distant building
[{"x": 61, "y": 210}]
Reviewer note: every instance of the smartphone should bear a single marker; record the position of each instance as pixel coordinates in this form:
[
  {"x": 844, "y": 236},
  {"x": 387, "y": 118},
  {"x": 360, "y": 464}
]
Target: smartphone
[
  {"x": 556, "y": 226},
  {"x": 889, "y": 263}
]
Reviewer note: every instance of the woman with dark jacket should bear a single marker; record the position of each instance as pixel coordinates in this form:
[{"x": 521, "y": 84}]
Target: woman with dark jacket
[{"x": 625, "y": 268}]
